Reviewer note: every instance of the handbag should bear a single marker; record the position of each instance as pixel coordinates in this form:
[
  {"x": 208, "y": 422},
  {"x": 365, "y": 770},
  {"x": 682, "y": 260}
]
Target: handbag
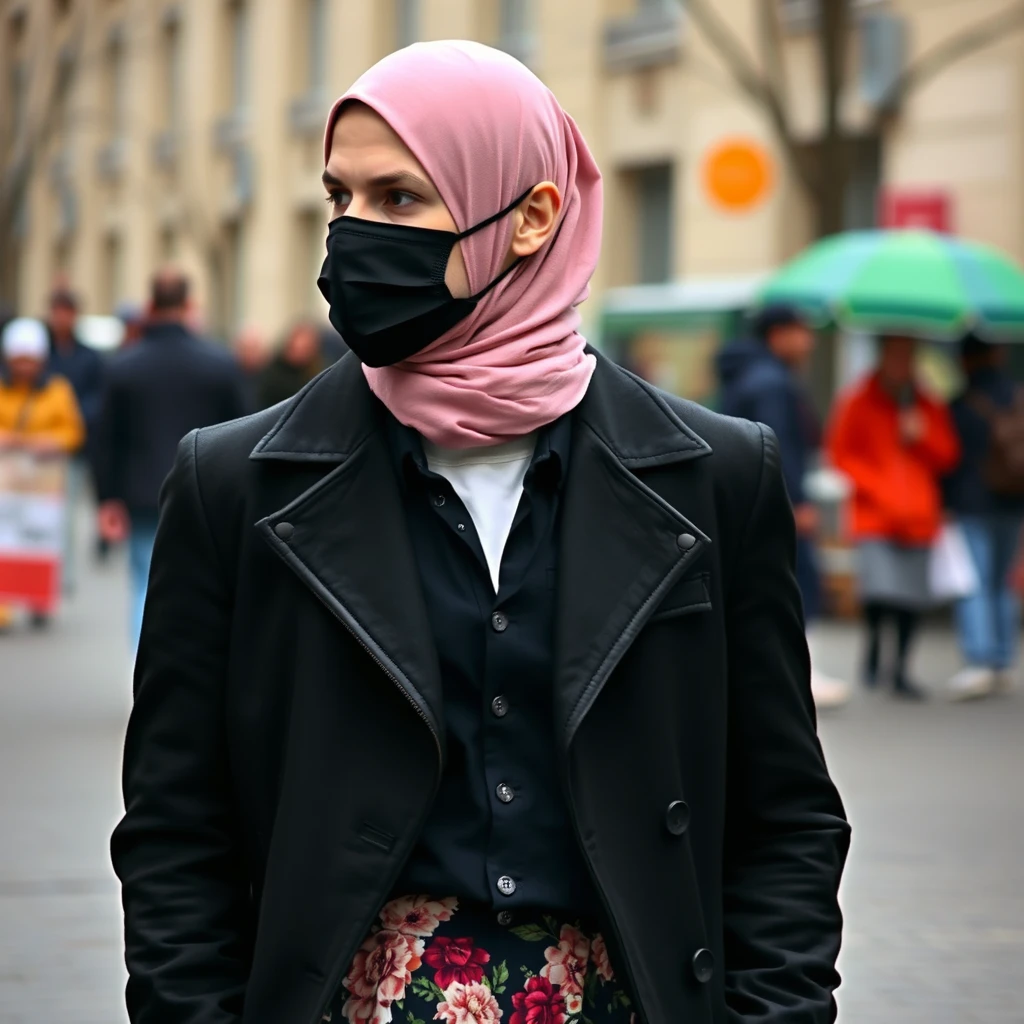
[{"x": 952, "y": 574}]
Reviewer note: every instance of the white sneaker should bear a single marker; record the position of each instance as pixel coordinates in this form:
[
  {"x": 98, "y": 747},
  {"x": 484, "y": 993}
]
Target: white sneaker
[
  {"x": 1004, "y": 680},
  {"x": 971, "y": 683},
  {"x": 828, "y": 692}
]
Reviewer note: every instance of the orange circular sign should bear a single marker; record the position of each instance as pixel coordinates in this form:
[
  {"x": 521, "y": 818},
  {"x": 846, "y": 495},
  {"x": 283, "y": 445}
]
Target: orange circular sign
[{"x": 738, "y": 174}]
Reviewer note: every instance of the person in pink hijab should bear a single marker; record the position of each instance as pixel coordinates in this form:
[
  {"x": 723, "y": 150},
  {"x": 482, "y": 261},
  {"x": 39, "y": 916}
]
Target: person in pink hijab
[{"x": 472, "y": 684}]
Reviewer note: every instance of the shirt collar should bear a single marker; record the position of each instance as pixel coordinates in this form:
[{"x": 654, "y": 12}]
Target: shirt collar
[{"x": 548, "y": 466}]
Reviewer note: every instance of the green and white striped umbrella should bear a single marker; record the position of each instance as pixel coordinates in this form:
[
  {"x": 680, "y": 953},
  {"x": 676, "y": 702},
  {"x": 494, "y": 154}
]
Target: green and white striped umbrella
[{"x": 919, "y": 282}]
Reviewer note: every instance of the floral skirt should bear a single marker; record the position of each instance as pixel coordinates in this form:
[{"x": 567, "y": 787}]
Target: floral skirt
[{"x": 430, "y": 959}]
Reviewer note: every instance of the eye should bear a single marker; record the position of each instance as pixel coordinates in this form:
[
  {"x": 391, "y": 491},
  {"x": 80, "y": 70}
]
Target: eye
[
  {"x": 399, "y": 199},
  {"x": 340, "y": 199}
]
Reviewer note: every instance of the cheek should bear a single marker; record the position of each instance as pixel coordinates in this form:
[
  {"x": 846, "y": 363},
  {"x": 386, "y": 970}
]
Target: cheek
[{"x": 455, "y": 276}]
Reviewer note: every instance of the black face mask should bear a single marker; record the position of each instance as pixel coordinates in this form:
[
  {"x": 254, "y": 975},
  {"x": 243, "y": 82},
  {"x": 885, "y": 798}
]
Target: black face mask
[{"x": 385, "y": 285}]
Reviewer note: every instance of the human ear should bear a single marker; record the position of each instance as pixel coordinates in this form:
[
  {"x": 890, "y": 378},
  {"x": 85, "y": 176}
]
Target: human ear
[{"x": 535, "y": 220}]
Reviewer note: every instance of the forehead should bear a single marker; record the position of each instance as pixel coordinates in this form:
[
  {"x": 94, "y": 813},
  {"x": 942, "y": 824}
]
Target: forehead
[{"x": 364, "y": 144}]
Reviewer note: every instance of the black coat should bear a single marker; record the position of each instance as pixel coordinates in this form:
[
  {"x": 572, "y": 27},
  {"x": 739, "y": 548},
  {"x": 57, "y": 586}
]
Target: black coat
[
  {"x": 287, "y": 736},
  {"x": 158, "y": 390}
]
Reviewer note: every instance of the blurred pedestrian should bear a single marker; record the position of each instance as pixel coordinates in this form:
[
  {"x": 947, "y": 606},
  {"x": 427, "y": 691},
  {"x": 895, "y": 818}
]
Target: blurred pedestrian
[
  {"x": 332, "y": 347},
  {"x": 294, "y": 366},
  {"x": 133, "y": 318},
  {"x": 83, "y": 367},
  {"x": 38, "y": 409},
  {"x": 477, "y": 640},
  {"x": 157, "y": 391},
  {"x": 894, "y": 442},
  {"x": 762, "y": 380},
  {"x": 985, "y": 495},
  {"x": 252, "y": 355}
]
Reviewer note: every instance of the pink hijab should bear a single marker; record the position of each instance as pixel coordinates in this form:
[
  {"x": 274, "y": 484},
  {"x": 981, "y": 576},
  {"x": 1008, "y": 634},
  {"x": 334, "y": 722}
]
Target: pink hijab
[{"x": 486, "y": 129}]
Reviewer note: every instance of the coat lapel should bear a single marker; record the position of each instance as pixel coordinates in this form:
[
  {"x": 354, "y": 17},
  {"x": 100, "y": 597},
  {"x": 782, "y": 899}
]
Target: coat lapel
[
  {"x": 622, "y": 545},
  {"x": 345, "y": 537}
]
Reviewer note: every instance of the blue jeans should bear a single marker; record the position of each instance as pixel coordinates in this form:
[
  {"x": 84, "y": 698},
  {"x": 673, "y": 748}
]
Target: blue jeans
[
  {"x": 140, "y": 554},
  {"x": 988, "y": 620}
]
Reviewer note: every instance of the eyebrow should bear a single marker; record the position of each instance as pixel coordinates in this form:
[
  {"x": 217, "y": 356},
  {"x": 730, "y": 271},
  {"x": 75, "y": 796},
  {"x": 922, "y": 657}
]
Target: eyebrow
[{"x": 389, "y": 180}]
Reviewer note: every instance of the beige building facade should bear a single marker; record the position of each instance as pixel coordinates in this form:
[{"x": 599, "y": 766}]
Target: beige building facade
[{"x": 190, "y": 131}]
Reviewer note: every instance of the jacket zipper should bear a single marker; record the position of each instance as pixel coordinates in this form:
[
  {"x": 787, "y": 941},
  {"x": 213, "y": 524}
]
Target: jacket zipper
[{"x": 335, "y": 977}]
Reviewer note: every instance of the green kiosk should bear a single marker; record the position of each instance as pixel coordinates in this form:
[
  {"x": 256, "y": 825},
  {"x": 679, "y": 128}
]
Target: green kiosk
[{"x": 670, "y": 333}]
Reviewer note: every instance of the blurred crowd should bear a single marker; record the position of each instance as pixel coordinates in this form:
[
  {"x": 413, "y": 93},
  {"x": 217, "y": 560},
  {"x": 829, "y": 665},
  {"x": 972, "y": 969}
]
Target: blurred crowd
[
  {"x": 116, "y": 419},
  {"x": 936, "y": 495},
  {"x": 927, "y": 481}
]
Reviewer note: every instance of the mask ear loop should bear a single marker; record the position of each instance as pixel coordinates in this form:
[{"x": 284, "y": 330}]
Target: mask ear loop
[
  {"x": 501, "y": 213},
  {"x": 485, "y": 223}
]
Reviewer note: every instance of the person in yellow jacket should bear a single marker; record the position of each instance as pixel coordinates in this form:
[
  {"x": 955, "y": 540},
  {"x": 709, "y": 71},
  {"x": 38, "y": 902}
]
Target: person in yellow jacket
[{"x": 38, "y": 411}]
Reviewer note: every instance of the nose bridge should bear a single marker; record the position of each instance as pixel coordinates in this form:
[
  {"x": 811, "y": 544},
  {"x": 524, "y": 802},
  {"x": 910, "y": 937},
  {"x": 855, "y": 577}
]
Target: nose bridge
[{"x": 361, "y": 207}]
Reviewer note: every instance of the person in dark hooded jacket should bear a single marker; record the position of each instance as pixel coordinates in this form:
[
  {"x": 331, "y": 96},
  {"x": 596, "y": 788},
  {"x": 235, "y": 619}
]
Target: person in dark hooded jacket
[{"x": 760, "y": 381}]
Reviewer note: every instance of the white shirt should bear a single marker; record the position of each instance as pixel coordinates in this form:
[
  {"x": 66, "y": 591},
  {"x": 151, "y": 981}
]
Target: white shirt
[{"x": 490, "y": 483}]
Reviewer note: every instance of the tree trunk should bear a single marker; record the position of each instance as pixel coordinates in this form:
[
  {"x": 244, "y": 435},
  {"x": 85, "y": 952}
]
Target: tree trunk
[{"x": 833, "y": 164}]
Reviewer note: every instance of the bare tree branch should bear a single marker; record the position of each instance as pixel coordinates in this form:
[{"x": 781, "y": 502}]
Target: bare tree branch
[
  {"x": 34, "y": 142},
  {"x": 750, "y": 80},
  {"x": 770, "y": 31},
  {"x": 832, "y": 40},
  {"x": 978, "y": 37}
]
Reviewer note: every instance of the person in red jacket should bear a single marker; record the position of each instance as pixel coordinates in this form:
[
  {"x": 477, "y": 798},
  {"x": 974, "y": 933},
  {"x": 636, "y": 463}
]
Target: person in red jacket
[{"x": 895, "y": 443}]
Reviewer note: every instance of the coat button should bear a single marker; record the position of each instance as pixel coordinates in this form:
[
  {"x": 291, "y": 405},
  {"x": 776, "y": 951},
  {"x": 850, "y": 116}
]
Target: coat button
[
  {"x": 506, "y": 794},
  {"x": 677, "y": 817},
  {"x": 284, "y": 530},
  {"x": 703, "y": 965},
  {"x": 686, "y": 541},
  {"x": 499, "y": 622},
  {"x": 499, "y": 706},
  {"x": 506, "y": 885},
  {"x": 506, "y": 917}
]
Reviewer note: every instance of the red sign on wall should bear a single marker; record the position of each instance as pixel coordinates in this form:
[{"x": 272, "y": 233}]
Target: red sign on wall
[{"x": 916, "y": 208}]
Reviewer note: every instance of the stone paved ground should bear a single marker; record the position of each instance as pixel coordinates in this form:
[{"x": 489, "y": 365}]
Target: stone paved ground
[{"x": 934, "y": 893}]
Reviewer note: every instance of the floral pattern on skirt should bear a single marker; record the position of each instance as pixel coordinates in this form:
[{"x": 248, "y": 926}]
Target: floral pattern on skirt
[{"x": 428, "y": 960}]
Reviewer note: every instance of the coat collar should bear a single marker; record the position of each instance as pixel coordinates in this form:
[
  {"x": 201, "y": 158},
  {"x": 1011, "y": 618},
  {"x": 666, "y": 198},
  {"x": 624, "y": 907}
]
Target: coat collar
[
  {"x": 333, "y": 415},
  {"x": 623, "y": 546}
]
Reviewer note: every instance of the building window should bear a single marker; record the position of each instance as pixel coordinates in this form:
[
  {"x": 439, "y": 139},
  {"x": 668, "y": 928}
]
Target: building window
[
  {"x": 515, "y": 28},
  {"x": 316, "y": 14},
  {"x": 655, "y": 223},
  {"x": 19, "y": 97},
  {"x": 310, "y": 233},
  {"x": 407, "y": 22},
  {"x": 168, "y": 245},
  {"x": 171, "y": 72},
  {"x": 234, "y": 279},
  {"x": 115, "y": 85},
  {"x": 238, "y": 20},
  {"x": 112, "y": 284}
]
